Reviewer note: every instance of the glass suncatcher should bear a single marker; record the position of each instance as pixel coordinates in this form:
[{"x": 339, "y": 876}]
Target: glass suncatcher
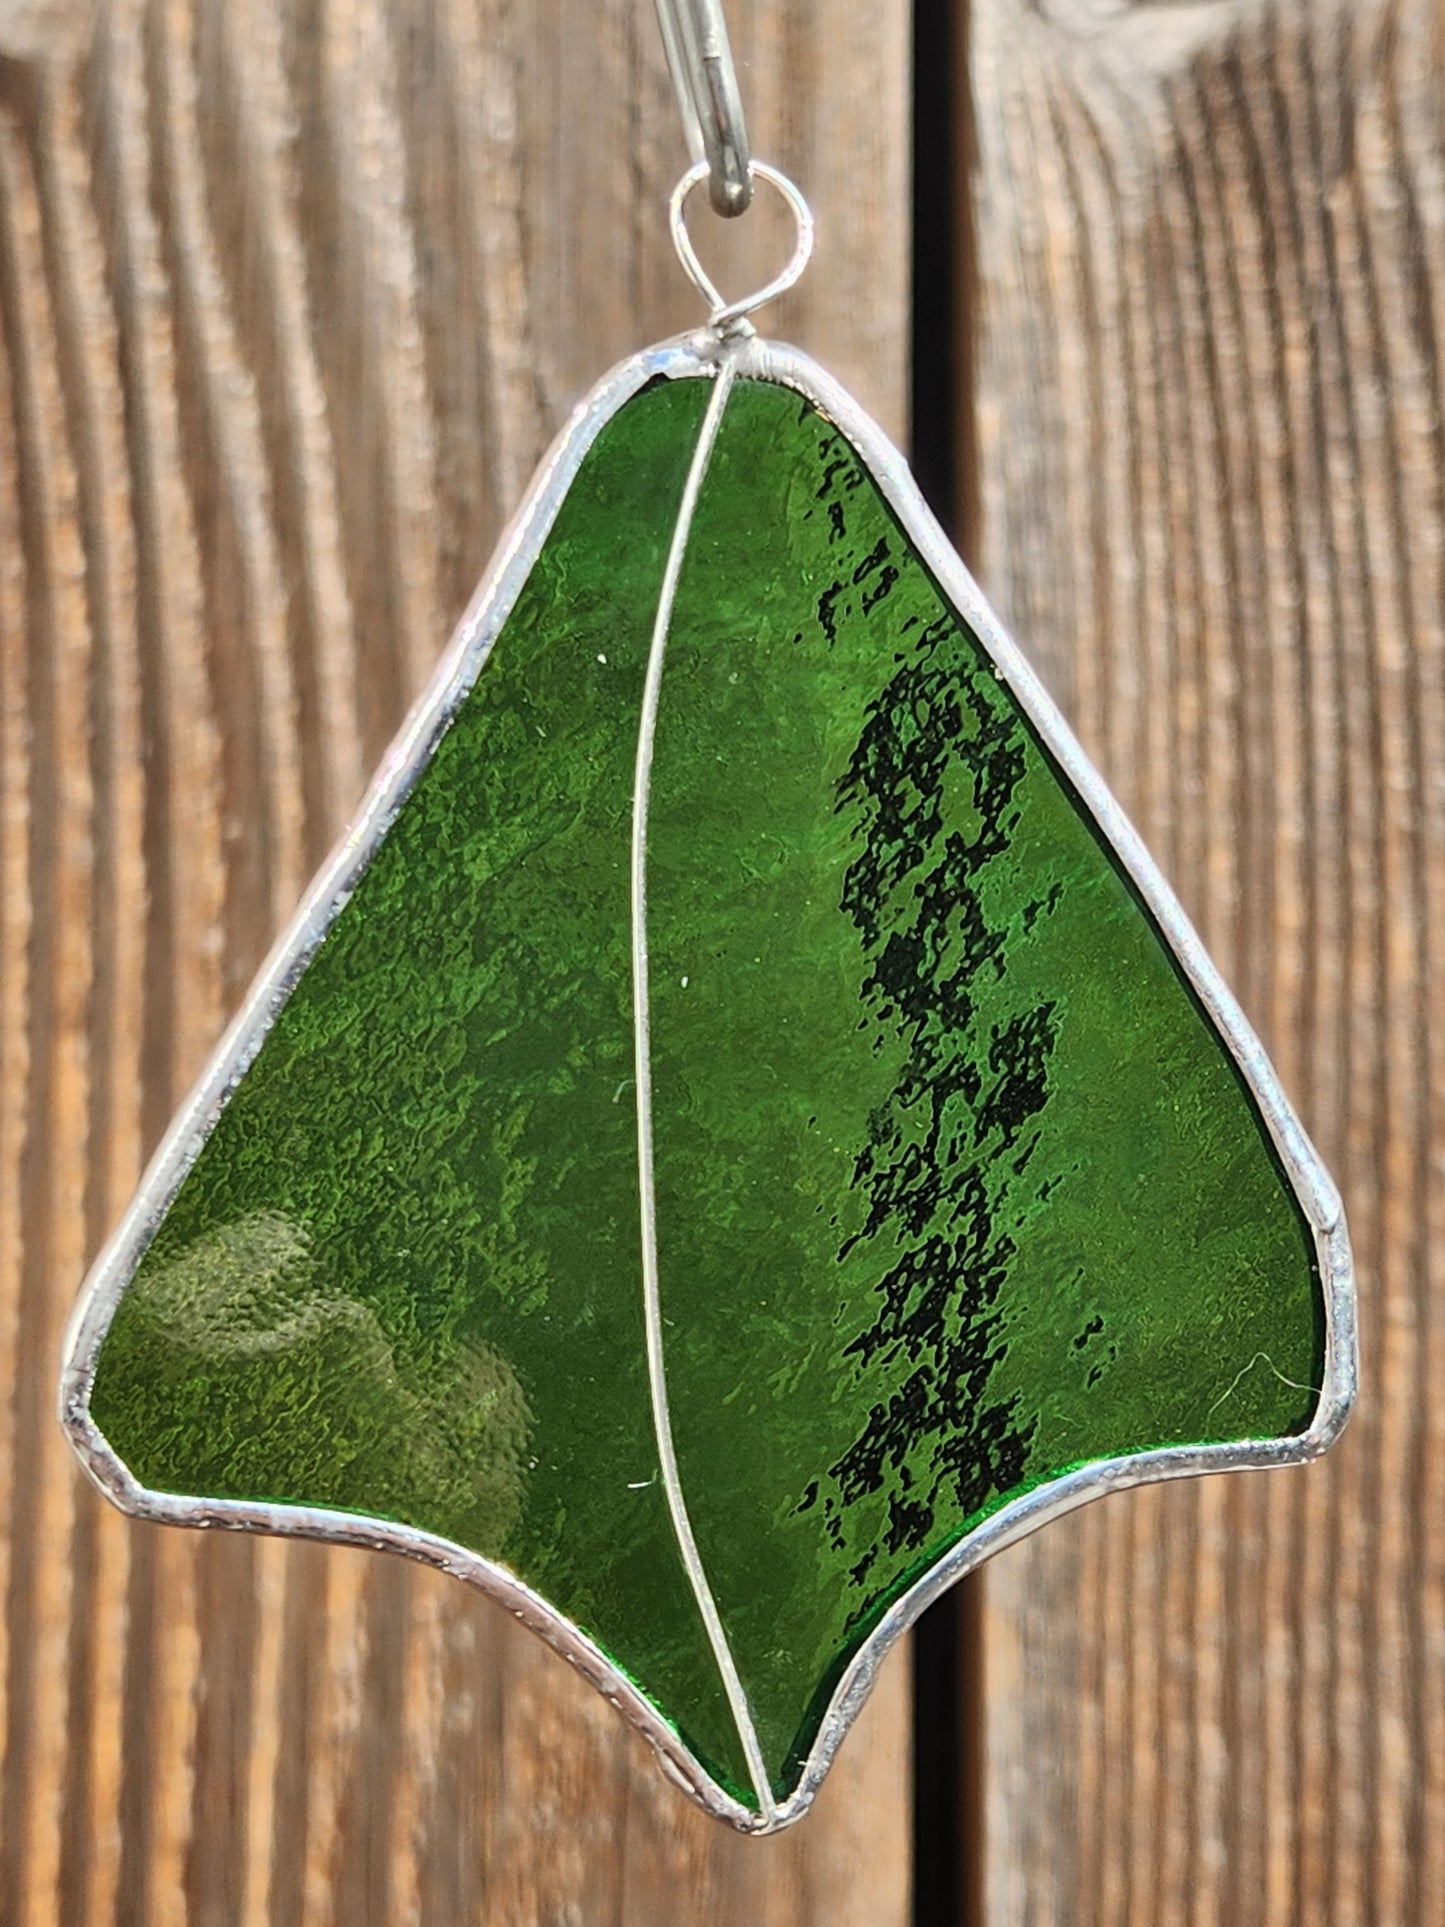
[{"x": 739, "y": 1130}]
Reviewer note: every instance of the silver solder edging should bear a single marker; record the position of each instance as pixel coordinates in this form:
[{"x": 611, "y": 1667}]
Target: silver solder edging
[{"x": 698, "y": 355}]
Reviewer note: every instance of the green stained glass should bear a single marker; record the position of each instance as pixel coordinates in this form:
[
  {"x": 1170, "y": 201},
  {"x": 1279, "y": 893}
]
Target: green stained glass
[{"x": 958, "y": 1186}]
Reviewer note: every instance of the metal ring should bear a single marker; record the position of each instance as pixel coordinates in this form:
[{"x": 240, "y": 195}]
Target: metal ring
[
  {"x": 696, "y": 38},
  {"x": 725, "y": 315}
]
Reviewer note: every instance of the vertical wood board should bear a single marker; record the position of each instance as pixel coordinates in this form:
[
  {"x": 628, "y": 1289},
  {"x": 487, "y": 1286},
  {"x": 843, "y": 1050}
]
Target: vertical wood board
[
  {"x": 1210, "y": 298},
  {"x": 293, "y": 294}
]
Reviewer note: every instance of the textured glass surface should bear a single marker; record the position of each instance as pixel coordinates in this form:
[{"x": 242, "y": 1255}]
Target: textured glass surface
[{"x": 957, "y": 1187}]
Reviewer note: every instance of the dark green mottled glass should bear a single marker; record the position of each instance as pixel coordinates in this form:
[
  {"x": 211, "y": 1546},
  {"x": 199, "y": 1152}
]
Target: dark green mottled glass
[{"x": 957, "y": 1186}]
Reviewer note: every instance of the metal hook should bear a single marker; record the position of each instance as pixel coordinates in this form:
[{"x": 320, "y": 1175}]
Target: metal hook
[{"x": 696, "y": 39}]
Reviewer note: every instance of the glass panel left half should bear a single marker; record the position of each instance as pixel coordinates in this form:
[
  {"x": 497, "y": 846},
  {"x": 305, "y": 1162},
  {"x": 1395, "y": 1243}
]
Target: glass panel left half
[{"x": 402, "y": 1278}]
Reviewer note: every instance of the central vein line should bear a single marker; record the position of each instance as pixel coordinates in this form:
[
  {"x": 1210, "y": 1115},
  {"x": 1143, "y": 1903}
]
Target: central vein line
[{"x": 652, "y": 1300}]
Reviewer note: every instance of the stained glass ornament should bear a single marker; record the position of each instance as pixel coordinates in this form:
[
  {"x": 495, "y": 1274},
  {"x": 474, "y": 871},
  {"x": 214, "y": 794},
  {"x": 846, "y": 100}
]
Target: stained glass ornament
[{"x": 739, "y": 1130}]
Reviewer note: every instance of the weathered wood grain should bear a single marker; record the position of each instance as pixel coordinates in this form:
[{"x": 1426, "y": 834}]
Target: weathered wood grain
[
  {"x": 1211, "y": 294},
  {"x": 292, "y": 295}
]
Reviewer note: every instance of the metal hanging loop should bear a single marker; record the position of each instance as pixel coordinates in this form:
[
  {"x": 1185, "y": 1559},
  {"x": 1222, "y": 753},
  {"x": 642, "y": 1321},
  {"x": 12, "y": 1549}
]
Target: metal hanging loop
[
  {"x": 729, "y": 317},
  {"x": 696, "y": 39}
]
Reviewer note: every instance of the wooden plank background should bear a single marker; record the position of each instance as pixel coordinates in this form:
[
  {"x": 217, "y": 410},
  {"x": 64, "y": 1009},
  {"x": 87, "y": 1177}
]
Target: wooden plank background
[
  {"x": 292, "y": 295},
  {"x": 1210, "y": 303}
]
